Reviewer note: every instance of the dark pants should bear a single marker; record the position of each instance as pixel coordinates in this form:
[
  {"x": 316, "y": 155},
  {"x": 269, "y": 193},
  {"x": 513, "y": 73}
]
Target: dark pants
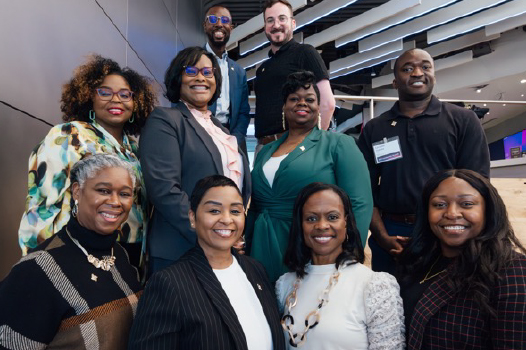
[{"x": 381, "y": 260}]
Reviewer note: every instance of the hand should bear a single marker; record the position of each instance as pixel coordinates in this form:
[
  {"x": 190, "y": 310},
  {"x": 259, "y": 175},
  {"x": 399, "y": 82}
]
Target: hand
[
  {"x": 240, "y": 245},
  {"x": 394, "y": 244}
]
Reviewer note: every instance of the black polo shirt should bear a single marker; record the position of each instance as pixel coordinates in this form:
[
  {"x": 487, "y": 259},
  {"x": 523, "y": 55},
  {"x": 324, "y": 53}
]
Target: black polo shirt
[
  {"x": 271, "y": 76},
  {"x": 445, "y": 136}
]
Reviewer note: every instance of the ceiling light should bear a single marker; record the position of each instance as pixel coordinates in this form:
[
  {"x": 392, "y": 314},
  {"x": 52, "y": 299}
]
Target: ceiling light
[
  {"x": 485, "y": 105},
  {"x": 522, "y": 95},
  {"x": 503, "y": 105},
  {"x": 523, "y": 81},
  {"x": 478, "y": 91}
]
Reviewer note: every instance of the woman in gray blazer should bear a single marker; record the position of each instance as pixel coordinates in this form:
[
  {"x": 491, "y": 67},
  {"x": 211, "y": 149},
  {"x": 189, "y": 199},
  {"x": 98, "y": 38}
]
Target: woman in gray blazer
[
  {"x": 179, "y": 146},
  {"x": 212, "y": 298}
]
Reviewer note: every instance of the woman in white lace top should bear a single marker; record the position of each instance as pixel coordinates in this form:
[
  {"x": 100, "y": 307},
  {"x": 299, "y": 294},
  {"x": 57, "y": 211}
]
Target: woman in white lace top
[{"x": 332, "y": 301}]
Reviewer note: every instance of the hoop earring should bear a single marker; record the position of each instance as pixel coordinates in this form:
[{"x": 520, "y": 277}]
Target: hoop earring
[
  {"x": 132, "y": 118},
  {"x": 91, "y": 115},
  {"x": 319, "y": 121},
  {"x": 75, "y": 209},
  {"x": 283, "y": 120}
]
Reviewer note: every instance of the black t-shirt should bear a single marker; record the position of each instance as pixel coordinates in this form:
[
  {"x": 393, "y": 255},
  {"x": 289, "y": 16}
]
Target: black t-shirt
[
  {"x": 271, "y": 76},
  {"x": 445, "y": 136}
]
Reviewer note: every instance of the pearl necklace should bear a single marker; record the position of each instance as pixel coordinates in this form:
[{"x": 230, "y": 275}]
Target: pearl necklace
[
  {"x": 105, "y": 264},
  {"x": 287, "y": 321}
]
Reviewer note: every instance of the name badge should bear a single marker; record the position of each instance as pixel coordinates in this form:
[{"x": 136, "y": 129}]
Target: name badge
[{"x": 387, "y": 150}]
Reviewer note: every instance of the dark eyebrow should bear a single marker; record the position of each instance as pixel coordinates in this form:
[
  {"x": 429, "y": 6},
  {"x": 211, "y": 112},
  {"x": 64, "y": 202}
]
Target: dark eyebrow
[
  {"x": 108, "y": 184},
  {"x": 213, "y": 203},
  {"x": 460, "y": 196}
]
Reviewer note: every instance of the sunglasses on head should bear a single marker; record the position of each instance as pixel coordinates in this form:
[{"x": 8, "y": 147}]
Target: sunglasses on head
[
  {"x": 213, "y": 19},
  {"x": 191, "y": 71}
]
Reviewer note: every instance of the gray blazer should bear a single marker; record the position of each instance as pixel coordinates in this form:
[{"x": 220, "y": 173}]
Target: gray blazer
[{"x": 176, "y": 152}]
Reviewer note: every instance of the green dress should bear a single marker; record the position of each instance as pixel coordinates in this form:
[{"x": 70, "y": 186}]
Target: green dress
[{"x": 322, "y": 157}]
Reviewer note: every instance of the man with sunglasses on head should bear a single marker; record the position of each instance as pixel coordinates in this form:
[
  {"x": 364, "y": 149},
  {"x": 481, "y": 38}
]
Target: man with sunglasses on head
[
  {"x": 286, "y": 56},
  {"x": 231, "y": 108}
]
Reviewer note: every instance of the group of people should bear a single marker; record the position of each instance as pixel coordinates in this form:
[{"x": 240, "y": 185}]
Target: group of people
[{"x": 177, "y": 206}]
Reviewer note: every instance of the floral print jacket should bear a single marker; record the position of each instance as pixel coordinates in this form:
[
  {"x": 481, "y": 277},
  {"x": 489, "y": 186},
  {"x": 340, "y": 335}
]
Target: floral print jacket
[{"x": 48, "y": 202}]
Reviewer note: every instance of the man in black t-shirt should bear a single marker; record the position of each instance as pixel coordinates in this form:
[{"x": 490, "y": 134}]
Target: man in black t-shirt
[
  {"x": 408, "y": 144},
  {"x": 286, "y": 56}
]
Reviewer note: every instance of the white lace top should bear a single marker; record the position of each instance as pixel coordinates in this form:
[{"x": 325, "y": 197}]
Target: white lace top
[{"x": 364, "y": 311}]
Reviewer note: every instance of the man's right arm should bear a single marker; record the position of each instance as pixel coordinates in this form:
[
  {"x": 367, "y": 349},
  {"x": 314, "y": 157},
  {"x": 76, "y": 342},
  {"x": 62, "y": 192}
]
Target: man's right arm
[{"x": 377, "y": 227}]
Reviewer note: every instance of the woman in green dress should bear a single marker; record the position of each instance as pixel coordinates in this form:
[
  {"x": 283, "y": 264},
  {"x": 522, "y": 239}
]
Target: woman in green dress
[{"x": 303, "y": 155}]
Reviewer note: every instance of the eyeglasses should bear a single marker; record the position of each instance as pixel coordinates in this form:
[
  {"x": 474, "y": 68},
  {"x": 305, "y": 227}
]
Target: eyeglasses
[
  {"x": 191, "y": 71},
  {"x": 106, "y": 94},
  {"x": 213, "y": 19},
  {"x": 282, "y": 19}
]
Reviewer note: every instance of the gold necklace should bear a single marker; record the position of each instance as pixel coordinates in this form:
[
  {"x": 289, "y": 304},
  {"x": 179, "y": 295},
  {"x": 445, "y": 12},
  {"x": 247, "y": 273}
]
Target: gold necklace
[
  {"x": 105, "y": 264},
  {"x": 287, "y": 321},
  {"x": 427, "y": 277}
]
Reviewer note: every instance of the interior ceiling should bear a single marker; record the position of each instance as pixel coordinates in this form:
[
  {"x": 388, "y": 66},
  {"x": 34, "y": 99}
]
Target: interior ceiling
[{"x": 359, "y": 82}]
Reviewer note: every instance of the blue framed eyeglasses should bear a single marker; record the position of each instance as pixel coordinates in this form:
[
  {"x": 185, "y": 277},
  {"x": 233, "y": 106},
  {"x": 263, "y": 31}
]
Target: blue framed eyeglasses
[
  {"x": 191, "y": 71},
  {"x": 106, "y": 94},
  {"x": 213, "y": 19}
]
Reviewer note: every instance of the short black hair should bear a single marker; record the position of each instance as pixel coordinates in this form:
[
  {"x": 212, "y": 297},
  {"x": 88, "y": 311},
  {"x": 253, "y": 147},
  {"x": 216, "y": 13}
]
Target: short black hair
[
  {"x": 202, "y": 186},
  {"x": 298, "y": 254},
  {"x": 269, "y": 3},
  {"x": 301, "y": 79},
  {"x": 174, "y": 74},
  {"x": 397, "y": 61}
]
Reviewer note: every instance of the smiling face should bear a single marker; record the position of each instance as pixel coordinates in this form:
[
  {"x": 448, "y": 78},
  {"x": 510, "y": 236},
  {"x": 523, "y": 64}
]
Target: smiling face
[
  {"x": 324, "y": 226},
  {"x": 112, "y": 114},
  {"x": 414, "y": 75},
  {"x": 198, "y": 90},
  {"x": 105, "y": 200},
  {"x": 301, "y": 109},
  {"x": 219, "y": 221},
  {"x": 456, "y": 214},
  {"x": 218, "y": 34},
  {"x": 279, "y": 33}
]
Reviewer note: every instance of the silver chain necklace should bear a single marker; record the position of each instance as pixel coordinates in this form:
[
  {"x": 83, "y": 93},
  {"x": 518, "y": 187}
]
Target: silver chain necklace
[
  {"x": 287, "y": 321},
  {"x": 105, "y": 264}
]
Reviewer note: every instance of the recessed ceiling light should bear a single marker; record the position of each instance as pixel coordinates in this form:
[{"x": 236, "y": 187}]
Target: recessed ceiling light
[
  {"x": 503, "y": 105},
  {"x": 479, "y": 91},
  {"x": 522, "y": 95},
  {"x": 484, "y": 105},
  {"x": 523, "y": 81}
]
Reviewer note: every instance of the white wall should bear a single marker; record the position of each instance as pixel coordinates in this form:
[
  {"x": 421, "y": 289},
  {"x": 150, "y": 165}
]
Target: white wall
[{"x": 41, "y": 42}]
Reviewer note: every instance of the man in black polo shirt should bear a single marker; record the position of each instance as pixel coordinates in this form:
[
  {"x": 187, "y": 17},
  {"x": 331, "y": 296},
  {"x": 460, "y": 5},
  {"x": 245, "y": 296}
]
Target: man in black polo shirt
[
  {"x": 286, "y": 56},
  {"x": 409, "y": 143}
]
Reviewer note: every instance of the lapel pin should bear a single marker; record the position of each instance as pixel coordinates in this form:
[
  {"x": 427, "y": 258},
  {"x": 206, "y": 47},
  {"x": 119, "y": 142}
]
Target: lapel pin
[
  {"x": 263, "y": 70},
  {"x": 259, "y": 286},
  {"x": 94, "y": 277},
  {"x": 232, "y": 68},
  {"x": 302, "y": 148},
  {"x": 393, "y": 123}
]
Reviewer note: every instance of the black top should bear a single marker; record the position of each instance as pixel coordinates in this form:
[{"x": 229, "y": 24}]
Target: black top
[
  {"x": 411, "y": 290},
  {"x": 271, "y": 76},
  {"x": 445, "y": 136},
  {"x": 54, "y": 297}
]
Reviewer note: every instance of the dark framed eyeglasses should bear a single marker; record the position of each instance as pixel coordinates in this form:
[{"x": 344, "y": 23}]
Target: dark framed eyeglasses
[
  {"x": 213, "y": 19},
  {"x": 191, "y": 71},
  {"x": 106, "y": 94}
]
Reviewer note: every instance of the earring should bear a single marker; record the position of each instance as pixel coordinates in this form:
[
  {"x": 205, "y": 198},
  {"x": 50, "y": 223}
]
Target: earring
[
  {"x": 283, "y": 120},
  {"x": 132, "y": 118},
  {"x": 75, "y": 209},
  {"x": 319, "y": 121},
  {"x": 92, "y": 115}
]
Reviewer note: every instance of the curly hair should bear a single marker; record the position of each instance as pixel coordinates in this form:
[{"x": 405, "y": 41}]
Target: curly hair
[
  {"x": 301, "y": 79},
  {"x": 77, "y": 94},
  {"x": 298, "y": 254},
  {"x": 173, "y": 77},
  {"x": 476, "y": 268}
]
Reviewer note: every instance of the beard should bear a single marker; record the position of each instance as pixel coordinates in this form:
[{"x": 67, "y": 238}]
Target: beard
[
  {"x": 218, "y": 42},
  {"x": 286, "y": 39}
]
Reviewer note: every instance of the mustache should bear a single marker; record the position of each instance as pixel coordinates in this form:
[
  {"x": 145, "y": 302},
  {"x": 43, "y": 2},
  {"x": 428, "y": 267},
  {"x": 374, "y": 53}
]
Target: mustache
[{"x": 277, "y": 31}]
